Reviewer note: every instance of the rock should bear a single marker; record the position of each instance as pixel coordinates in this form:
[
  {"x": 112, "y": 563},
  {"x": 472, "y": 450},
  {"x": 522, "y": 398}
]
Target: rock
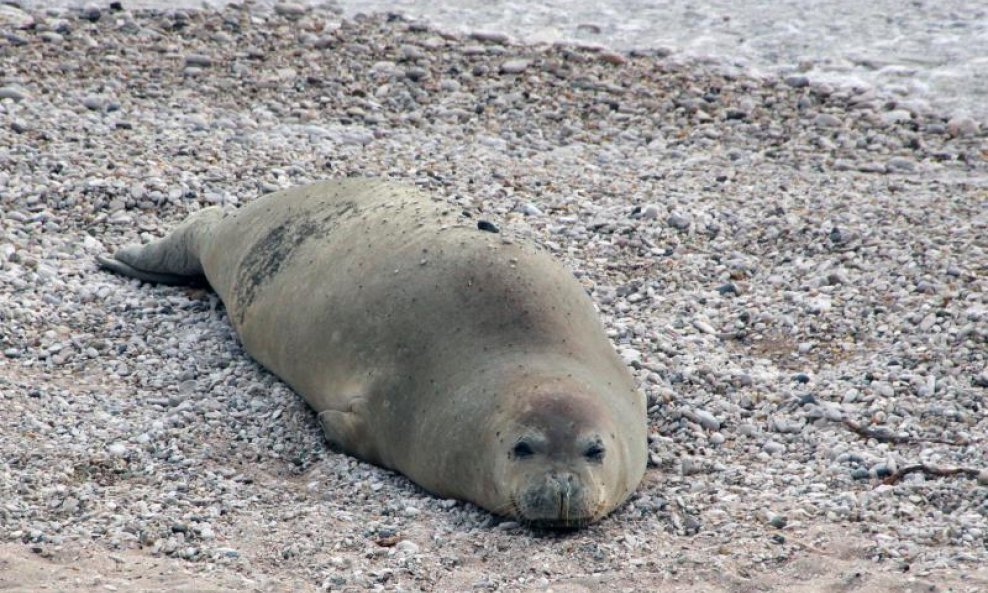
[
  {"x": 650, "y": 212},
  {"x": 407, "y": 547},
  {"x": 12, "y": 16},
  {"x": 612, "y": 58},
  {"x": 514, "y": 66},
  {"x": 490, "y": 37},
  {"x": 797, "y": 81},
  {"x": 896, "y": 116},
  {"x": 412, "y": 53},
  {"x": 449, "y": 85},
  {"x": 962, "y": 126},
  {"x": 93, "y": 103},
  {"x": 290, "y": 9},
  {"x": 91, "y": 13},
  {"x": 706, "y": 419},
  {"x": 773, "y": 447},
  {"x": 900, "y": 165},
  {"x": 13, "y": 92},
  {"x": 826, "y": 120},
  {"x": 728, "y": 289},
  {"x": 198, "y": 60},
  {"x": 678, "y": 221},
  {"x": 530, "y": 209},
  {"x": 871, "y": 167},
  {"x": 416, "y": 74}
]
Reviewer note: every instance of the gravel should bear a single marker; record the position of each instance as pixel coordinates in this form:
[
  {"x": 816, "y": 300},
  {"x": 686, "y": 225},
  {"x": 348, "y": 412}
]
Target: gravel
[{"x": 735, "y": 232}]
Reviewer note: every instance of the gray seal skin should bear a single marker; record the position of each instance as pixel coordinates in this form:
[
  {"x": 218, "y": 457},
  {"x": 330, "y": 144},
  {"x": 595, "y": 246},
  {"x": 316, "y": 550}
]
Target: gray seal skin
[{"x": 473, "y": 364}]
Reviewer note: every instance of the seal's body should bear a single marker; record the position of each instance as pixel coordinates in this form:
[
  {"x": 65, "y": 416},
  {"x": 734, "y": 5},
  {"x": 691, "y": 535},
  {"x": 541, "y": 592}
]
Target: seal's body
[{"x": 474, "y": 365}]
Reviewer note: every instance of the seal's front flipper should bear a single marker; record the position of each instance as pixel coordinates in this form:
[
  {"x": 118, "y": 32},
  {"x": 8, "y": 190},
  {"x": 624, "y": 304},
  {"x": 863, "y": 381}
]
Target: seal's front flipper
[
  {"x": 347, "y": 431},
  {"x": 115, "y": 265}
]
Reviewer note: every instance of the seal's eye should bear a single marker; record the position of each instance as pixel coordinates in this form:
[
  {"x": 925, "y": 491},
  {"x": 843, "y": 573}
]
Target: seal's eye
[
  {"x": 522, "y": 450},
  {"x": 594, "y": 452}
]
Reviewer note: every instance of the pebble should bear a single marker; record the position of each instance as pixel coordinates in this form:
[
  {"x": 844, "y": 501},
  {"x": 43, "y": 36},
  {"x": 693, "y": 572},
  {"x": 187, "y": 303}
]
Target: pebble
[
  {"x": 91, "y": 12},
  {"x": 962, "y": 126},
  {"x": 650, "y": 212},
  {"x": 826, "y": 120},
  {"x": 13, "y": 92},
  {"x": 706, "y": 419},
  {"x": 490, "y": 37},
  {"x": 773, "y": 447},
  {"x": 13, "y": 16},
  {"x": 678, "y": 221},
  {"x": 514, "y": 66},
  {"x": 290, "y": 9},
  {"x": 93, "y": 103},
  {"x": 198, "y": 60},
  {"x": 900, "y": 165},
  {"x": 612, "y": 58},
  {"x": 797, "y": 81}
]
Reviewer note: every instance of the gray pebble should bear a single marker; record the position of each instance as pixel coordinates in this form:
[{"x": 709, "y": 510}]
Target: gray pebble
[
  {"x": 198, "y": 60},
  {"x": 678, "y": 221},
  {"x": 93, "y": 103},
  {"x": 706, "y": 419},
  {"x": 13, "y": 92},
  {"x": 514, "y": 66},
  {"x": 290, "y": 9},
  {"x": 797, "y": 81},
  {"x": 490, "y": 37},
  {"x": 826, "y": 120},
  {"x": 773, "y": 447},
  {"x": 900, "y": 165}
]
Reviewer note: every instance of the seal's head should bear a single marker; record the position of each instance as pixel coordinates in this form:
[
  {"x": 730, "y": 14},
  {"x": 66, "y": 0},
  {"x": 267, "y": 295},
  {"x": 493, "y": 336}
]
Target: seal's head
[{"x": 565, "y": 461}]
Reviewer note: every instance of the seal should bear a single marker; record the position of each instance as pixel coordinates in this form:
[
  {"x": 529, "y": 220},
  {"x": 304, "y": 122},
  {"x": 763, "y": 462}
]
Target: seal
[{"x": 427, "y": 343}]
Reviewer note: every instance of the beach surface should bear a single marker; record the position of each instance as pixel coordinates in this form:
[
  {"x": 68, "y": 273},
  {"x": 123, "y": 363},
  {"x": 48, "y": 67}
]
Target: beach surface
[{"x": 797, "y": 273}]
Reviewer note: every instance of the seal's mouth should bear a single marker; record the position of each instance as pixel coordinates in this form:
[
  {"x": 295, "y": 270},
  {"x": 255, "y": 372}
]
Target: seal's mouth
[
  {"x": 564, "y": 521},
  {"x": 557, "y": 524}
]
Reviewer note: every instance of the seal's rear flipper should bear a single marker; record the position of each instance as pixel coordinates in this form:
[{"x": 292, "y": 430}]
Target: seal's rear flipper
[
  {"x": 115, "y": 265},
  {"x": 173, "y": 259}
]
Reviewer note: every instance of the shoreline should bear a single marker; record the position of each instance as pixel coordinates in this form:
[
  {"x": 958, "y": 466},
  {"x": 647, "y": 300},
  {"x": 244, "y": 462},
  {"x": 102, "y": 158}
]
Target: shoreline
[
  {"x": 919, "y": 70},
  {"x": 777, "y": 261}
]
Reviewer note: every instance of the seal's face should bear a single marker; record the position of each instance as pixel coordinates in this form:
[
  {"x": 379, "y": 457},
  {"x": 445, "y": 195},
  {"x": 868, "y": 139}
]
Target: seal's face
[{"x": 561, "y": 463}]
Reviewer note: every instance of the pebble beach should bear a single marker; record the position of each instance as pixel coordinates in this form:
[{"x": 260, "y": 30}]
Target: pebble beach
[{"x": 796, "y": 272}]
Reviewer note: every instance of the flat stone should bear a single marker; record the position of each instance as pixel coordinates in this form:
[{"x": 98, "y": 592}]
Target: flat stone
[
  {"x": 514, "y": 66},
  {"x": 490, "y": 37},
  {"x": 13, "y": 92},
  {"x": 290, "y": 9},
  {"x": 612, "y": 57},
  {"x": 826, "y": 120},
  {"x": 198, "y": 60},
  {"x": 797, "y": 81},
  {"x": 900, "y": 165}
]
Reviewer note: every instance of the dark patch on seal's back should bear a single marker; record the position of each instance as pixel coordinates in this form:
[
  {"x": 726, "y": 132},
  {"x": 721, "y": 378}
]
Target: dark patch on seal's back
[{"x": 269, "y": 255}]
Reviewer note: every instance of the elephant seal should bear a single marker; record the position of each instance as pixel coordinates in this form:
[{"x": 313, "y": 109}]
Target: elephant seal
[{"x": 474, "y": 364}]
